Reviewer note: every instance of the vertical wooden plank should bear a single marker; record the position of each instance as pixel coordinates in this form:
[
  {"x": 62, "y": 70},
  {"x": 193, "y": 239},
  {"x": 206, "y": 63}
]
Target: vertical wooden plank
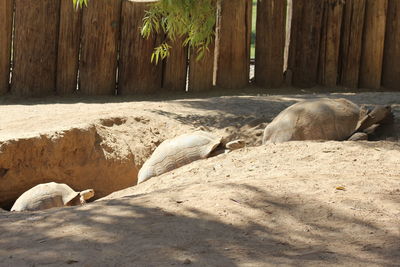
[
  {"x": 35, "y": 47},
  {"x": 297, "y": 10},
  {"x": 201, "y": 71},
  {"x": 323, "y": 43},
  {"x": 373, "y": 44},
  {"x": 233, "y": 44},
  {"x": 391, "y": 61},
  {"x": 330, "y": 43},
  {"x": 270, "y": 42},
  {"x": 6, "y": 17},
  {"x": 175, "y": 67},
  {"x": 136, "y": 72},
  {"x": 308, "y": 16},
  {"x": 351, "y": 43},
  {"x": 99, "y": 47},
  {"x": 68, "y": 48}
]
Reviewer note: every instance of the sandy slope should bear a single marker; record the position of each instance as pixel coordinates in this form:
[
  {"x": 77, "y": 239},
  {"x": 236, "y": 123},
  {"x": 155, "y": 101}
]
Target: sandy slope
[{"x": 259, "y": 206}]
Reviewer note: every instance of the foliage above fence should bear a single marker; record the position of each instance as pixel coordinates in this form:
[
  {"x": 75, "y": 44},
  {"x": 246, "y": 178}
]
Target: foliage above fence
[{"x": 99, "y": 50}]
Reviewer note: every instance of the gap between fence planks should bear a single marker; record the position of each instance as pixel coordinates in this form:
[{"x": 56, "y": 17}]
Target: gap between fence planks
[
  {"x": 6, "y": 17},
  {"x": 391, "y": 62},
  {"x": 270, "y": 42},
  {"x": 373, "y": 44},
  {"x": 68, "y": 48},
  {"x": 99, "y": 47},
  {"x": 35, "y": 47}
]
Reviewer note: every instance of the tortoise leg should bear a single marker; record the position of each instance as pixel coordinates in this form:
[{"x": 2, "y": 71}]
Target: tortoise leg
[{"x": 359, "y": 136}]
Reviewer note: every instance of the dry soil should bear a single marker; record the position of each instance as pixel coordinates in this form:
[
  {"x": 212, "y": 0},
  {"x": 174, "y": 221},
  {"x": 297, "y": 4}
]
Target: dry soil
[{"x": 290, "y": 204}]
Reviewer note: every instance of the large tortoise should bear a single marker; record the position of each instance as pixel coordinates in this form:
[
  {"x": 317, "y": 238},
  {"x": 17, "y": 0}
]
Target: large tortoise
[
  {"x": 323, "y": 119},
  {"x": 50, "y": 195}
]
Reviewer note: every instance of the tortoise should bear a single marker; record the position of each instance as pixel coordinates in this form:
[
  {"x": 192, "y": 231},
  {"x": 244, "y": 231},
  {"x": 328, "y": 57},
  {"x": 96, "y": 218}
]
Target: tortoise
[
  {"x": 50, "y": 195},
  {"x": 324, "y": 119},
  {"x": 181, "y": 150}
]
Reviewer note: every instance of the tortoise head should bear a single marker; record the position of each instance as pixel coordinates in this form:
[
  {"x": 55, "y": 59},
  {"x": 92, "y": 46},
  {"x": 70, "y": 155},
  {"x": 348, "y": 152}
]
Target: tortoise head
[
  {"x": 380, "y": 114},
  {"x": 85, "y": 195}
]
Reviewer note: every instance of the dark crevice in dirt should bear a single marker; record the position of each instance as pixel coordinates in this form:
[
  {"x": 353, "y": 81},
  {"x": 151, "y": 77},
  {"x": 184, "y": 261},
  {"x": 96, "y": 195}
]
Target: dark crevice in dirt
[
  {"x": 3, "y": 172},
  {"x": 109, "y": 122}
]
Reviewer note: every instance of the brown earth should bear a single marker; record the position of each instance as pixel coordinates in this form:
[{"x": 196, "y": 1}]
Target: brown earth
[{"x": 298, "y": 203}]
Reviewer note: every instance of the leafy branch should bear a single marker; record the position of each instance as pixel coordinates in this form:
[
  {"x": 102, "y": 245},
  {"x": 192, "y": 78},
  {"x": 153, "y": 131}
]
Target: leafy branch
[{"x": 192, "y": 19}]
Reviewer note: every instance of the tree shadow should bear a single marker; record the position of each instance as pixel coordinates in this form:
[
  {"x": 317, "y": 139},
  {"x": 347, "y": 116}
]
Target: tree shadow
[{"x": 134, "y": 231}]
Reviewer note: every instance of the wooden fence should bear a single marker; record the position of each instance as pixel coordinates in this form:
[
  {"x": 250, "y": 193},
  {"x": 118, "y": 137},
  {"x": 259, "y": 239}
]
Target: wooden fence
[{"x": 50, "y": 48}]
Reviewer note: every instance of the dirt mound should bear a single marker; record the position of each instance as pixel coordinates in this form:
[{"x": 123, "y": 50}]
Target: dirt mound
[{"x": 299, "y": 203}]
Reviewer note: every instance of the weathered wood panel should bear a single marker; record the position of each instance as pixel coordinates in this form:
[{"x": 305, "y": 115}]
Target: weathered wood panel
[
  {"x": 233, "y": 44},
  {"x": 175, "y": 67},
  {"x": 136, "y": 72},
  {"x": 373, "y": 44},
  {"x": 296, "y": 12},
  {"x": 201, "y": 71},
  {"x": 351, "y": 43},
  {"x": 330, "y": 43},
  {"x": 391, "y": 62},
  {"x": 35, "y": 47},
  {"x": 6, "y": 17},
  {"x": 306, "y": 35},
  {"x": 99, "y": 47},
  {"x": 270, "y": 42},
  {"x": 68, "y": 48}
]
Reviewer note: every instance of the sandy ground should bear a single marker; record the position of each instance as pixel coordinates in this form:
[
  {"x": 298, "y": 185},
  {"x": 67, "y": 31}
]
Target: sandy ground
[{"x": 291, "y": 204}]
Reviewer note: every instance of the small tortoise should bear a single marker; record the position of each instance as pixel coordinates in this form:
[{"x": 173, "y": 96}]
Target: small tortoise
[
  {"x": 50, "y": 195},
  {"x": 181, "y": 150},
  {"x": 324, "y": 119}
]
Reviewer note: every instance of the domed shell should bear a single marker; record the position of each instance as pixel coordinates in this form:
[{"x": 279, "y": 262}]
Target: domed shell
[
  {"x": 179, "y": 151},
  {"x": 45, "y": 196},
  {"x": 320, "y": 119}
]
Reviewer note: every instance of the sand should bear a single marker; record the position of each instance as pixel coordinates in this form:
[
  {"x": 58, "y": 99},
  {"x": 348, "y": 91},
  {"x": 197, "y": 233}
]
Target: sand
[{"x": 292, "y": 204}]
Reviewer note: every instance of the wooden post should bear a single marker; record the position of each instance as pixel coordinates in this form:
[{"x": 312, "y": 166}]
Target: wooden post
[
  {"x": 99, "y": 47},
  {"x": 373, "y": 44},
  {"x": 201, "y": 71},
  {"x": 136, "y": 72},
  {"x": 330, "y": 43},
  {"x": 391, "y": 61},
  {"x": 6, "y": 18},
  {"x": 351, "y": 44},
  {"x": 68, "y": 48},
  {"x": 233, "y": 44},
  {"x": 306, "y": 35},
  {"x": 270, "y": 42},
  {"x": 175, "y": 67},
  {"x": 35, "y": 47}
]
